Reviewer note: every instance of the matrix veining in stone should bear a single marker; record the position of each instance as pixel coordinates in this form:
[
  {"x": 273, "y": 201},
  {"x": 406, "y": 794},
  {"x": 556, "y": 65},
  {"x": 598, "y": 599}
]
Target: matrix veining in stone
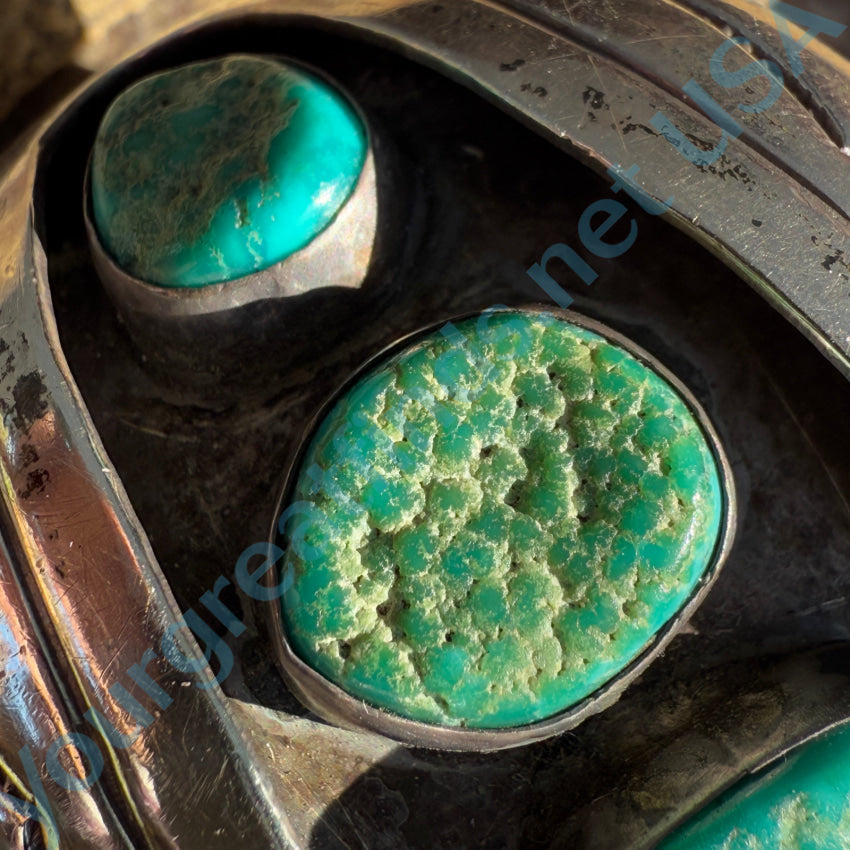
[
  {"x": 214, "y": 170},
  {"x": 491, "y": 525}
]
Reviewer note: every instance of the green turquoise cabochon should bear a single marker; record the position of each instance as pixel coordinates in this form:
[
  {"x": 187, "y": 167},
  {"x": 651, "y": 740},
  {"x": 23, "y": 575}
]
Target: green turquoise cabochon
[
  {"x": 214, "y": 170},
  {"x": 494, "y": 523}
]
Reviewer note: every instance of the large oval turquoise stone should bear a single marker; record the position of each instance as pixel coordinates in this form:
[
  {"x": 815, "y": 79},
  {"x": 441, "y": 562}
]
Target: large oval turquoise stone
[
  {"x": 214, "y": 170},
  {"x": 802, "y": 803},
  {"x": 492, "y": 524}
]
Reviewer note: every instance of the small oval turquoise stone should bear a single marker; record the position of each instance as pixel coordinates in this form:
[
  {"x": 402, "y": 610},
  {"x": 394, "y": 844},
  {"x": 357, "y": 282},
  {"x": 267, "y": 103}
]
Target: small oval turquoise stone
[
  {"x": 214, "y": 170},
  {"x": 802, "y": 803},
  {"x": 492, "y": 524}
]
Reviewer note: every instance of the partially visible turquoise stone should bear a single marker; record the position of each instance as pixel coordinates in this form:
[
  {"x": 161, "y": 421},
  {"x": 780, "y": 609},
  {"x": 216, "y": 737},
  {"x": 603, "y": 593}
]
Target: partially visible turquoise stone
[
  {"x": 803, "y": 803},
  {"x": 214, "y": 170},
  {"x": 493, "y": 524}
]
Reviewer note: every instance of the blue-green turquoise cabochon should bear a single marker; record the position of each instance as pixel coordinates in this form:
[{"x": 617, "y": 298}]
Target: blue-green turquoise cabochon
[
  {"x": 494, "y": 523},
  {"x": 214, "y": 170}
]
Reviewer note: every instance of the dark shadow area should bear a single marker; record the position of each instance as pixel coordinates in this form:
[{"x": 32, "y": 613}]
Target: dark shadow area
[{"x": 36, "y": 40}]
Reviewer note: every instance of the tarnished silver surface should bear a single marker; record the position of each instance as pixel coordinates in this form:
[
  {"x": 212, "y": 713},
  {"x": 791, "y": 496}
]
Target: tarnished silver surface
[
  {"x": 33, "y": 717},
  {"x": 589, "y": 77},
  {"x": 95, "y": 592},
  {"x": 330, "y": 701},
  {"x": 608, "y": 68}
]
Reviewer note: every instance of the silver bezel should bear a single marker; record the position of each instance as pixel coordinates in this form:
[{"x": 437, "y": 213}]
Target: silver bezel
[
  {"x": 335, "y": 705},
  {"x": 340, "y": 255}
]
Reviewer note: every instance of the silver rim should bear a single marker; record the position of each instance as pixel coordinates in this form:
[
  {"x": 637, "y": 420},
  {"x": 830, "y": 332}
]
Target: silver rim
[
  {"x": 340, "y": 255},
  {"x": 335, "y": 705}
]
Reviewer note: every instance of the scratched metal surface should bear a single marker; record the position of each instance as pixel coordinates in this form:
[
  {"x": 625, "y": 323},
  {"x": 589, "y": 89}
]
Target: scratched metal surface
[
  {"x": 479, "y": 198},
  {"x": 765, "y": 660}
]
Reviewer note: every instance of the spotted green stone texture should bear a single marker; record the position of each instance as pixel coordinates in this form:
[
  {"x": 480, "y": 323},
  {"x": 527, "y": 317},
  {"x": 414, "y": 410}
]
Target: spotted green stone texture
[
  {"x": 214, "y": 170},
  {"x": 801, "y": 804},
  {"x": 492, "y": 524}
]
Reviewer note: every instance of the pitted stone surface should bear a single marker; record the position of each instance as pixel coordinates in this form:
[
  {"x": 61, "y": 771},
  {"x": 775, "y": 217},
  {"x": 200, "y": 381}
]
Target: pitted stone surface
[{"x": 493, "y": 524}]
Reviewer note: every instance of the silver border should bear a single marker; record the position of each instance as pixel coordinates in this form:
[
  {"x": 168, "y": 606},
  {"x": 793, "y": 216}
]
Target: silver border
[{"x": 335, "y": 705}]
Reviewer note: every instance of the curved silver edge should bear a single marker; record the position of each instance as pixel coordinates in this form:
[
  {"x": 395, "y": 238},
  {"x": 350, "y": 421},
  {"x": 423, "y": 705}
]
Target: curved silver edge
[
  {"x": 790, "y": 262},
  {"x": 798, "y": 134},
  {"x": 820, "y": 88},
  {"x": 30, "y": 689},
  {"x": 781, "y": 237},
  {"x": 763, "y": 765},
  {"x": 99, "y": 597},
  {"x": 334, "y": 704}
]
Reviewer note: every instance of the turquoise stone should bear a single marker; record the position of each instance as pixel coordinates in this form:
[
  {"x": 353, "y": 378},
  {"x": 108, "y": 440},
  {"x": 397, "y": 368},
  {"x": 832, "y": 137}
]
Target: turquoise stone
[
  {"x": 214, "y": 170},
  {"x": 802, "y": 803},
  {"x": 495, "y": 522}
]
